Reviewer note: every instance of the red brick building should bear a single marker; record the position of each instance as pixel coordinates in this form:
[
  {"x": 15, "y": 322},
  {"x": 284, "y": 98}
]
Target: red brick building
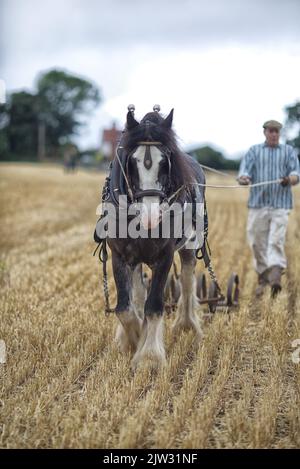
[{"x": 110, "y": 141}]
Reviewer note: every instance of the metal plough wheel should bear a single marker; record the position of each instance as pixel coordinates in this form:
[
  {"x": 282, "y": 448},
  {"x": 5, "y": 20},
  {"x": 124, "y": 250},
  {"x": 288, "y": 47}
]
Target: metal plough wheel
[
  {"x": 201, "y": 287},
  {"x": 213, "y": 297},
  {"x": 233, "y": 290}
]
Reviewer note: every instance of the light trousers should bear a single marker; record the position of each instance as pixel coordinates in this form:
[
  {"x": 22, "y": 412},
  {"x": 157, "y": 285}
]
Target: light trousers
[{"x": 266, "y": 231}]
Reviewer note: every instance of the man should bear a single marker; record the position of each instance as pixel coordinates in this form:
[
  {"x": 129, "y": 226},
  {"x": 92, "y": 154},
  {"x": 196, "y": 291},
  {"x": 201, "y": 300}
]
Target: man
[{"x": 270, "y": 204}]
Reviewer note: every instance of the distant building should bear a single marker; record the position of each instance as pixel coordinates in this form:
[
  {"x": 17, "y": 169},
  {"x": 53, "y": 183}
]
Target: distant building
[{"x": 110, "y": 141}]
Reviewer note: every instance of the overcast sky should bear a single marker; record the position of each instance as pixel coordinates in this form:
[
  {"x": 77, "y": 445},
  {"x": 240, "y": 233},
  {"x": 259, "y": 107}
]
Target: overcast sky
[{"x": 225, "y": 66}]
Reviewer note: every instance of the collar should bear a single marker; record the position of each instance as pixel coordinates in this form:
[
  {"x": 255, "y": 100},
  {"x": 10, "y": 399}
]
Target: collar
[{"x": 266, "y": 145}]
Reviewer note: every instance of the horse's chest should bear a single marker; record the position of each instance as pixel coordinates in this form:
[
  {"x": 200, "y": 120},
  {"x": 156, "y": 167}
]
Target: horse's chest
[{"x": 140, "y": 250}]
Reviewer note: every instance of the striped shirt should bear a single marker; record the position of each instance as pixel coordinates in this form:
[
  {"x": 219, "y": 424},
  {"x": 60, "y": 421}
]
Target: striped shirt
[{"x": 264, "y": 163}]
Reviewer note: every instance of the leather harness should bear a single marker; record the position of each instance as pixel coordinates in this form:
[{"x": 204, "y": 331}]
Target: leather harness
[{"x": 116, "y": 185}]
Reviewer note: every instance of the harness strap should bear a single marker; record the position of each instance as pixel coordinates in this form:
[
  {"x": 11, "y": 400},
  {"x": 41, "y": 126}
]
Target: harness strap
[
  {"x": 174, "y": 195},
  {"x": 205, "y": 255},
  {"x": 147, "y": 158},
  {"x": 103, "y": 257},
  {"x": 150, "y": 143},
  {"x": 149, "y": 192},
  {"x": 125, "y": 176}
]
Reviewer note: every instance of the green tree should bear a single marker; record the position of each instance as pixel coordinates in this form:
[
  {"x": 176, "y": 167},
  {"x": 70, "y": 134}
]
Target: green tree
[
  {"x": 208, "y": 156},
  {"x": 4, "y": 119},
  {"x": 293, "y": 122},
  {"x": 36, "y": 125},
  {"x": 18, "y": 124},
  {"x": 64, "y": 102}
]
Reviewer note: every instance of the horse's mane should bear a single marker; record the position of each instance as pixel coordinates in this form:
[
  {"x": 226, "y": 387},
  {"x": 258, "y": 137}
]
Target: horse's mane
[{"x": 181, "y": 171}]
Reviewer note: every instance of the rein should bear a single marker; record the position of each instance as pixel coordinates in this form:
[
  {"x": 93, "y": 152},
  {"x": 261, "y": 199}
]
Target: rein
[
  {"x": 125, "y": 176},
  {"x": 238, "y": 186}
]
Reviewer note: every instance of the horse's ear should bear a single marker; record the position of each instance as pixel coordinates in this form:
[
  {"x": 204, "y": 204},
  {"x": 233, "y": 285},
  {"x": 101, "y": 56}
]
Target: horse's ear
[
  {"x": 168, "y": 120},
  {"x": 131, "y": 122}
]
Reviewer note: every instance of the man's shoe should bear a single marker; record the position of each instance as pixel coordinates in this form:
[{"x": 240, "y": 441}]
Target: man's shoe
[
  {"x": 262, "y": 283},
  {"x": 274, "y": 277}
]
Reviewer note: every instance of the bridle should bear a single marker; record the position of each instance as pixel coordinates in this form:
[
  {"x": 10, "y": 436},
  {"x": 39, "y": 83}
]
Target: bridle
[
  {"x": 134, "y": 195},
  {"x": 162, "y": 194}
]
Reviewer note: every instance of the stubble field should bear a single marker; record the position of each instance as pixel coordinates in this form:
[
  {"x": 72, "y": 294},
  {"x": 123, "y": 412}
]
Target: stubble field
[{"x": 66, "y": 385}]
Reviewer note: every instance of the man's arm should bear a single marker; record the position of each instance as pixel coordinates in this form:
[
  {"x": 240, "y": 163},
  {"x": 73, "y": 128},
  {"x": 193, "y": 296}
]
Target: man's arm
[
  {"x": 293, "y": 170},
  {"x": 244, "y": 176}
]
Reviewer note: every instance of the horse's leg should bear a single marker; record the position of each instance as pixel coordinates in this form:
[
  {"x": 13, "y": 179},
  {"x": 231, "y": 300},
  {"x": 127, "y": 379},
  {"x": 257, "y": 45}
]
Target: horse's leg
[
  {"x": 128, "y": 331},
  {"x": 186, "y": 317},
  {"x": 151, "y": 343},
  {"x": 139, "y": 291}
]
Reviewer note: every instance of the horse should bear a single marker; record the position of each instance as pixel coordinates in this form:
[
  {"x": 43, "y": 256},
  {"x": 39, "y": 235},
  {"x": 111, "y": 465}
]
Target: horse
[{"x": 150, "y": 168}]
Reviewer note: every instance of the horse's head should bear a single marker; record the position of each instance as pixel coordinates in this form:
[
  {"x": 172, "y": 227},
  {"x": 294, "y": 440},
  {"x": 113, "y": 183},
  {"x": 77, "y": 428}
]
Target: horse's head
[{"x": 149, "y": 146}]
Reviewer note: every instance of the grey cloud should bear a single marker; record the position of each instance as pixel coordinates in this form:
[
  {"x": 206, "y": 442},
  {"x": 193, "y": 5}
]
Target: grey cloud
[{"x": 45, "y": 26}]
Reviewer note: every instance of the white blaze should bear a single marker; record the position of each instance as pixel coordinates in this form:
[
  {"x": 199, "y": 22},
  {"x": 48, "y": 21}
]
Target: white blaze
[{"x": 149, "y": 180}]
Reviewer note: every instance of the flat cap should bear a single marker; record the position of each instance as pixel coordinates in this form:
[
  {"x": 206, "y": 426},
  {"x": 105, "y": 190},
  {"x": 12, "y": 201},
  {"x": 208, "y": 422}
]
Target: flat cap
[{"x": 272, "y": 124}]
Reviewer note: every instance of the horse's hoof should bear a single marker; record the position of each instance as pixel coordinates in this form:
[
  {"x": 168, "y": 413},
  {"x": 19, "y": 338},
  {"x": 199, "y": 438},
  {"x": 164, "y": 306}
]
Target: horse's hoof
[
  {"x": 187, "y": 325},
  {"x": 129, "y": 331},
  {"x": 148, "y": 359},
  {"x": 122, "y": 341}
]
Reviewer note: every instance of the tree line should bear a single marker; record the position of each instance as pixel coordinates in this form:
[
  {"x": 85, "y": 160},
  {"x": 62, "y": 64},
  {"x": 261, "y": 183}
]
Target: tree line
[{"x": 40, "y": 125}]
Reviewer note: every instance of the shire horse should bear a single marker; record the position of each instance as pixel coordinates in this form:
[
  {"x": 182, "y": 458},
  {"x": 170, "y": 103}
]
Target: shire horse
[{"x": 153, "y": 169}]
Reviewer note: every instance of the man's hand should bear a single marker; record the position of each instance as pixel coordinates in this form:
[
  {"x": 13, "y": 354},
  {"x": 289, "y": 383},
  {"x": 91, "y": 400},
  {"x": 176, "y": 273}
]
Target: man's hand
[
  {"x": 294, "y": 179},
  {"x": 285, "y": 181},
  {"x": 289, "y": 180},
  {"x": 244, "y": 180}
]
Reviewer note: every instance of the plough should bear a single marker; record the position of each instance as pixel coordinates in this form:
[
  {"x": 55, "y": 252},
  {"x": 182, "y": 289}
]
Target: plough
[
  {"x": 211, "y": 297},
  {"x": 205, "y": 294}
]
